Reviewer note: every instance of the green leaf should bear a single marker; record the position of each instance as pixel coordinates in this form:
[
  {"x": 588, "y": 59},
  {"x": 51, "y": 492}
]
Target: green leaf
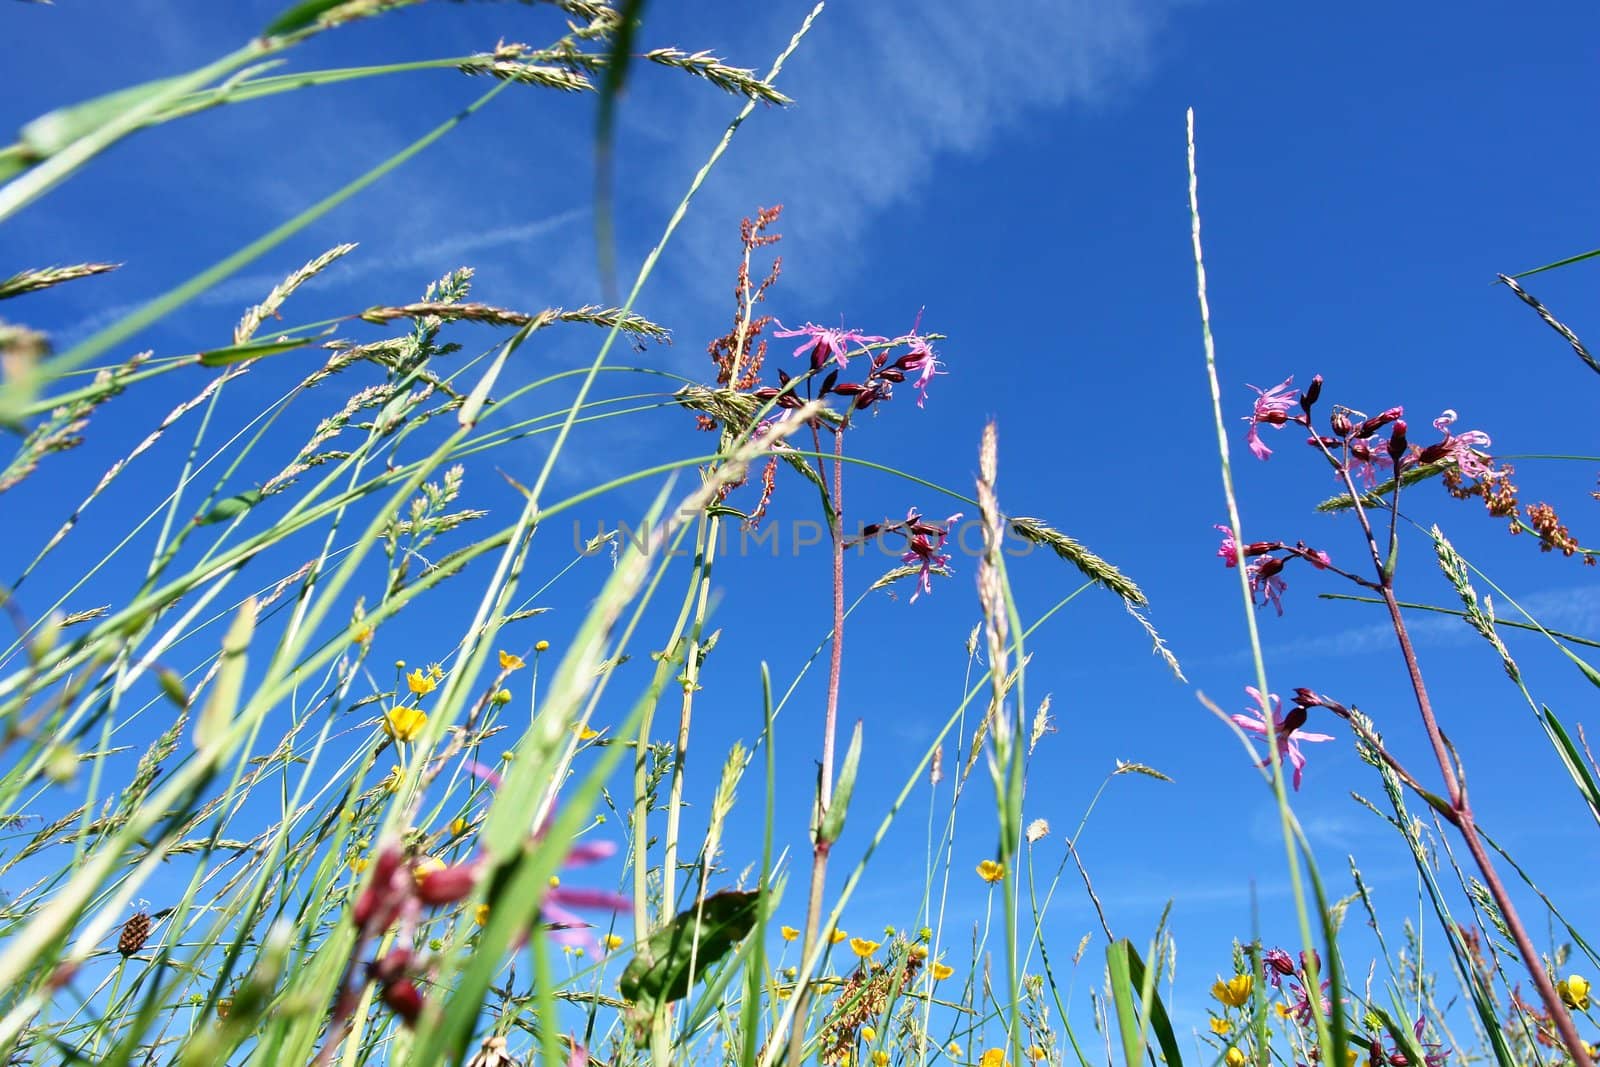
[
  {"x": 1119, "y": 966},
  {"x": 299, "y": 16},
  {"x": 1573, "y": 758},
  {"x": 661, "y": 971},
  {"x": 230, "y": 508},
  {"x": 833, "y": 818},
  {"x": 54, "y": 130},
  {"x": 1579, "y": 258},
  {"x": 1405, "y": 1040},
  {"x": 221, "y": 357},
  {"x": 217, "y": 716},
  {"x": 1128, "y": 977}
]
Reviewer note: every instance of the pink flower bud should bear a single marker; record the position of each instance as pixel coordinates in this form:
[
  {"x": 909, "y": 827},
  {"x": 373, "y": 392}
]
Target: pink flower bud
[{"x": 446, "y": 885}]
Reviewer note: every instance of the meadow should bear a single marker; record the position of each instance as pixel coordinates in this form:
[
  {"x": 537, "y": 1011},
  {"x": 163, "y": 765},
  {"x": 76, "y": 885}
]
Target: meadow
[{"x": 306, "y": 766}]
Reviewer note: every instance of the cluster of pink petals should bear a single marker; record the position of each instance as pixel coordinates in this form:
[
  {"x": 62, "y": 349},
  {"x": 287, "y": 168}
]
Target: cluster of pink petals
[
  {"x": 924, "y": 544},
  {"x": 400, "y": 890},
  {"x": 824, "y": 343},
  {"x": 922, "y": 360},
  {"x": 1287, "y": 734},
  {"x": 1461, "y": 448},
  {"x": 1272, "y": 409},
  {"x": 1264, "y": 570}
]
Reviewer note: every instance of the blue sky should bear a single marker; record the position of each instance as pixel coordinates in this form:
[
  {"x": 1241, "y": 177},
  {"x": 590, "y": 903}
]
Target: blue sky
[{"x": 1364, "y": 172}]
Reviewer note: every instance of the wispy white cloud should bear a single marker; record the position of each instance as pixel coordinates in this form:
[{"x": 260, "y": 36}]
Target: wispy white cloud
[
  {"x": 883, "y": 95},
  {"x": 364, "y": 263}
]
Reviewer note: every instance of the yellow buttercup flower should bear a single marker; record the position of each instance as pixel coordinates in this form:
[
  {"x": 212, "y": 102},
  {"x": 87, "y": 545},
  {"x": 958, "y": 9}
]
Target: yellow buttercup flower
[
  {"x": 358, "y": 864},
  {"x": 838, "y": 936},
  {"x": 541, "y": 646},
  {"x": 612, "y": 942},
  {"x": 917, "y": 951},
  {"x": 419, "y": 683},
  {"x": 1235, "y": 992},
  {"x": 993, "y": 1057},
  {"x": 426, "y": 866},
  {"x": 1220, "y": 1026},
  {"x": 481, "y": 916},
  {"x": 953, "y": 1050},
  {"x": 555, "y": 882},
  {"x": 435, "y": 672},
  {"x": 458, "y": 827},
  {"x": 585, "y": 733},
  {"x": 1034, "y": 1053},
  {"x": 362, "y": 634},
  {"x": 880, "y": 1058},
  {"x": 1283, "y": 1010},
  {"x": 788, "y": 933},
  {"x": 869, "y": 1033},
  {"x": 1574, "y": 990},
  {"x": 1235, "y": 1058},
  {"x": 403, "y": 723},
  {"x": 941, "y": 971},
  {"x": 508, "y": 662},
  {"x": 991, "y": 871},
  {"x": 862, "y": 947}
]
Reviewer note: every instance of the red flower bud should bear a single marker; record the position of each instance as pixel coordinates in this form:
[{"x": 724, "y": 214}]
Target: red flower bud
[
  {"x": 1310, "y": 396},
  {"x": 1379, "y": 421},
  {"x": 1397, "y": 443},
  {"x": 446, "y": 885},
  {"x": 403, "y": 999}
]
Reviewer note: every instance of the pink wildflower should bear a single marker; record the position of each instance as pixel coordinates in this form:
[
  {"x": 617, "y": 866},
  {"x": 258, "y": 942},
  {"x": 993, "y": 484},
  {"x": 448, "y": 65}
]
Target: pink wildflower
[
  {"x": 1271, "y": 407},
  {"x": 1286, "y": 731},
  {"x": 1461, "y": 448},
  {"x": 1264, "y": 580},
  {"x": 1277, "y": 965},
  {"x": 1229, "y": 549},
  {"x": 1300, "y": 1006},
  {"x": 923, "y": 543},
  {"x": 826, "y": 343},
  {"x": 566, "y": 927},
  {"x": 920, "y": 359}
]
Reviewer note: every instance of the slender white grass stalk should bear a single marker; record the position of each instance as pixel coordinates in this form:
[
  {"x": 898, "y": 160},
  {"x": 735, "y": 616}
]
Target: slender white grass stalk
[{"x": 1286, "y": 817}]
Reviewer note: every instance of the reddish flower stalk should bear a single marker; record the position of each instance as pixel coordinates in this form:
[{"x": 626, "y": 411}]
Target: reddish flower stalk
[{"x": 1271, "y": 408}]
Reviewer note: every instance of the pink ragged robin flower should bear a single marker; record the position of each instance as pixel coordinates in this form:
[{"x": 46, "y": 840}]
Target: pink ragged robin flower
[
  {"x": 1369, "y": 460},
  {"x": 1229, "y": 549},
  {"x": 565, "y": 927},
  {"x": 1272, "y": 408},
  {"x": 1462, "y": 448},
  {"x": 1433, "y": 1053},
  {"x": 921, "y": 360},
  {"x": 1265, "y": 581},
  {"x": 1276, "y": 965},
  {"x": 923, "y": 543},
  {"x": 1300, "y": 1005},
  {"x": 825, "y": 343},
  {"x": 1285, "y": 729}
]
